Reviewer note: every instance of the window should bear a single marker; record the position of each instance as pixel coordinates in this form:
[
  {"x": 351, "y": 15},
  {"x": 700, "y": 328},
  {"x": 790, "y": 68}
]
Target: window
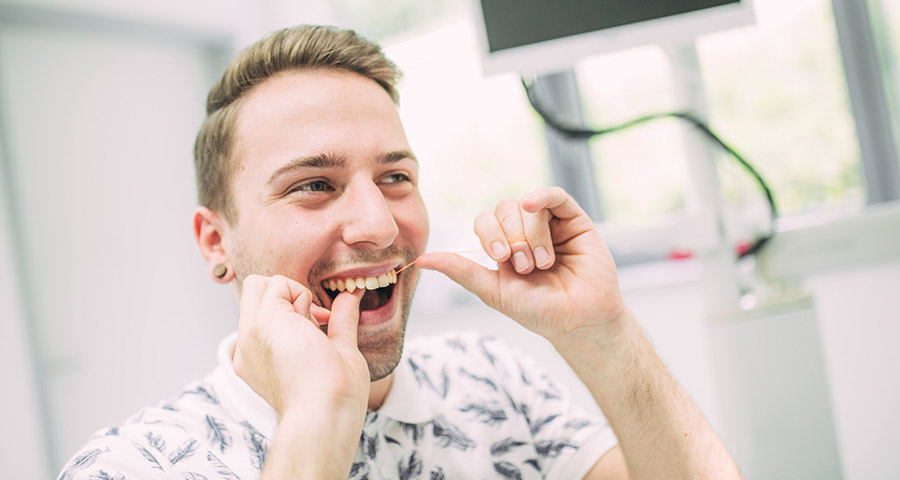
[
  {"x": 777, "y": 93},
  {"x": 641, "y": 172},
  {"x": 886, "y": 23}
]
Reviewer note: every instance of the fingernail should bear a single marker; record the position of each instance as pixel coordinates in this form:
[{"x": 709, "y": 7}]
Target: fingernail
[
  {"x": 541, "y": 257},
  {"x": 520, "y": 261},
  {"x": 498, "y": 249}
]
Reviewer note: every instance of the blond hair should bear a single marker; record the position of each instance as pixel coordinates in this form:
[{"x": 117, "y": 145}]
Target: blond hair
[{"x": 300, "y": 47}]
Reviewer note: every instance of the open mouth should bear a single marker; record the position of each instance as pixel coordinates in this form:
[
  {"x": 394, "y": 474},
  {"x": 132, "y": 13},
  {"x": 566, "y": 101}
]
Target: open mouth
[{"x": 379, "y": 290}]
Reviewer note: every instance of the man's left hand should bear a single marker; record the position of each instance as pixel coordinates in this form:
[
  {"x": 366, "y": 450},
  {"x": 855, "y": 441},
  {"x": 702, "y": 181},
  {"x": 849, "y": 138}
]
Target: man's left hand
[{"x": 555, "y": 275}]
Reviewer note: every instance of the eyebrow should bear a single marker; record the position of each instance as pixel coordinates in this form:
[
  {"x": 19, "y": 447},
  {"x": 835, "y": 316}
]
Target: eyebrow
[
  {"x": 328, "y": 160},
  {"x": 396, "y": 156},
  {"x": 321, "y": 160}
]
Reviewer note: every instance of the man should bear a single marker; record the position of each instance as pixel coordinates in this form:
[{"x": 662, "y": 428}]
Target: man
[{"x": 310, "y": 208}]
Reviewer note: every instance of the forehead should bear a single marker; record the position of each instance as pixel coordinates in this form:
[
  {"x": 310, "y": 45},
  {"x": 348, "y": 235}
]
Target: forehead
[{"x": 310, "y": 112}]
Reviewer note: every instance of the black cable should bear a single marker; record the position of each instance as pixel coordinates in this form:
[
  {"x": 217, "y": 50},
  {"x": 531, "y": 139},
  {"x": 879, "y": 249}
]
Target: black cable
[{"x": 585, "y": 133}]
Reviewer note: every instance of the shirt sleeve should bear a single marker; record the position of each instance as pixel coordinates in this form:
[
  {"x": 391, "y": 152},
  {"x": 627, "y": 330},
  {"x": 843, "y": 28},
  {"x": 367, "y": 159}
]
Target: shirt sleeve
[
  {"x": 568, "y": 438},
  {"x": 113, "y": 457}
]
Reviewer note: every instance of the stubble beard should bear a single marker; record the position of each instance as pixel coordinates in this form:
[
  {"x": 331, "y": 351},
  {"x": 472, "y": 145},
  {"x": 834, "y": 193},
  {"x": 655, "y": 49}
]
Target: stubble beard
[{"x": 381, "y": 349}]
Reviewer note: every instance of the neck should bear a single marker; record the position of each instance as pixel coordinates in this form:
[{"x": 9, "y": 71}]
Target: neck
[{"x": 379, "y": 390}]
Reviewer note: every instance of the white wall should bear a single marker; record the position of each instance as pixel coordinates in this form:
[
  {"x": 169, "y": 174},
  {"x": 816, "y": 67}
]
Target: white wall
[
  {"x": 859, "y": 314},
  {"x": 24, "y": 454},
  {"x": 99, "y": 130}
]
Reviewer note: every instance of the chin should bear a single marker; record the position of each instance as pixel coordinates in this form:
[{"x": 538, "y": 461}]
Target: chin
[
  {"x": 381, "y": 341},
  {"x": 382, "y": 351}
]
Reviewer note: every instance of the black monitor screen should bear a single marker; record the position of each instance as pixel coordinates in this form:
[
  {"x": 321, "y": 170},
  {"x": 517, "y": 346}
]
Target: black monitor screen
[{"x": 514, "y": 23}]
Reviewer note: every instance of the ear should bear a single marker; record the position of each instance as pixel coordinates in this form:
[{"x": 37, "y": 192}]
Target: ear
[{"x": 208, "y": 231}]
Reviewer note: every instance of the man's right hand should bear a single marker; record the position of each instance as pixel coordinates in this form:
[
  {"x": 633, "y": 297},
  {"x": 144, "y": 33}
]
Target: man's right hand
[{"x": 318, "y": 383}]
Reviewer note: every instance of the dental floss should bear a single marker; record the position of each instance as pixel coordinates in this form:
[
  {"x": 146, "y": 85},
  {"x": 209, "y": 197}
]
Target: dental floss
[{"x": 461, "y": 252}]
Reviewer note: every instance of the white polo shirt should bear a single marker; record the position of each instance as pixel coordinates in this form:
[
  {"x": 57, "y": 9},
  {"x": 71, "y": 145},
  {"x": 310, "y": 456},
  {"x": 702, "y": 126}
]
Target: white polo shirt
[{"x": 461, "y": 406}]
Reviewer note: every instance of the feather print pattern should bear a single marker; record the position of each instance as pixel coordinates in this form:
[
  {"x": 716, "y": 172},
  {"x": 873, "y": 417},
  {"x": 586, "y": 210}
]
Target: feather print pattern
[
  {"x": 410, "y": 469},
  {"x": 202, "y": 392},
  {"x": 505, "y": 445},
  {"x": 548, "y": 395},
  {"x": 414, "y": 431},
  {"x": 457, "y": 344},
  {"x": 487, "y": 353},
  {"x": 508, "y": 471},
  {"x": 490, "y": 413},
  {"x": 186, "y": 450},
  {"x": 449, "y": 435},
  {"x": 222, "y": 469},
  {"x": 157, "y": 442},
  {"x": 102, "y": 475},
  {"x": 371, "y": 445},
  {"x": 217, "y": 434},
  {"x": 445, "y": 384},
  {"x": 525, "y": 379},
  {"x": 578, "y": 423},
  {"x": 258, "y": 446},
  {"x": 552, "y": 448},
  {"x": 483, "y": 380},
  {"x": 539, "y": 423},
  {"x": 81, "y": 462},
  {"x": 149, "y": 456},
  {"x": 420, "y": 375},
  {"x": 437, "y": 474}
]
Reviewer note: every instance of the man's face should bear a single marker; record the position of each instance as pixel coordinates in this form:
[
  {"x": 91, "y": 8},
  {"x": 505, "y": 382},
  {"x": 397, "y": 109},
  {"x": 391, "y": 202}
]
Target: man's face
[{"x": 326, "y": 189}]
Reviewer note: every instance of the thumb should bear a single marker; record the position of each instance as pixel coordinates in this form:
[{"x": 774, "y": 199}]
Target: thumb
[
  {"x": 472, "y": 276},
  {"x": 344, "y": 321}
]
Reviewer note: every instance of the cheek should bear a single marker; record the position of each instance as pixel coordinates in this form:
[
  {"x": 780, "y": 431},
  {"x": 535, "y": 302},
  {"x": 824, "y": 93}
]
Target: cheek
[
  {"x": 290, "y": 246},
  {"x": 414, "y": 221}
]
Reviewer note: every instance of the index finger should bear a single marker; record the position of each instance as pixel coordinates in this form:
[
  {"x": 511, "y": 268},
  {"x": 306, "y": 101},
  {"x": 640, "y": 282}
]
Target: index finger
[
  {"x": 343, "y": 324},
  {"x": 554, "y": 199}
]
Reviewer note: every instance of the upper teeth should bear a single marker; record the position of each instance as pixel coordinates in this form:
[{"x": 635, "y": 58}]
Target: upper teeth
[{"x": 369, "y": 283}]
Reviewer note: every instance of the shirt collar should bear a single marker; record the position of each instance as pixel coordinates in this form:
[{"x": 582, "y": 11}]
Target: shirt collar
[{"x": 405, "y": 401}]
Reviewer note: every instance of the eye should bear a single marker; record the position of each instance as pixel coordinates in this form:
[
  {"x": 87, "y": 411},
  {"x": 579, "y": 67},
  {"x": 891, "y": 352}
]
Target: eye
[
  {"x": 396, "y": 178},
  {"x": 313, "y": 186}
]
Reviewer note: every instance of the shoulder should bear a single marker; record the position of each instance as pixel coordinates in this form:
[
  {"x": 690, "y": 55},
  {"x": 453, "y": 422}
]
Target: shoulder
[{"x": 187, "y": 434}]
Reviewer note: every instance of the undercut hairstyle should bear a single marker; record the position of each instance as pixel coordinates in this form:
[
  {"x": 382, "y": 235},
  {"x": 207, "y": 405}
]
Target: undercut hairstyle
[{"x": 305, "y": 47}]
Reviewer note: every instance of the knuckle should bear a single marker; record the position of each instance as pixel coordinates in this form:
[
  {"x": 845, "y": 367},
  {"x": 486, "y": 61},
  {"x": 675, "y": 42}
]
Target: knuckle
[
  {"x": 484, "y": 218},
  {"x": 507, "y": 204}
]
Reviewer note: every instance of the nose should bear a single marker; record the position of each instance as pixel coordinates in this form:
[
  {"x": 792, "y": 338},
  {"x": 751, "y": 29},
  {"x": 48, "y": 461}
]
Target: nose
[{"x": 367, "y": 216}]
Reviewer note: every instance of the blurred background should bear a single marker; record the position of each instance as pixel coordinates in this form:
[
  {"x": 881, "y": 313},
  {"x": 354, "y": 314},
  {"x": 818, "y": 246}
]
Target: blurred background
[{"x": 106, "y": 306}]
